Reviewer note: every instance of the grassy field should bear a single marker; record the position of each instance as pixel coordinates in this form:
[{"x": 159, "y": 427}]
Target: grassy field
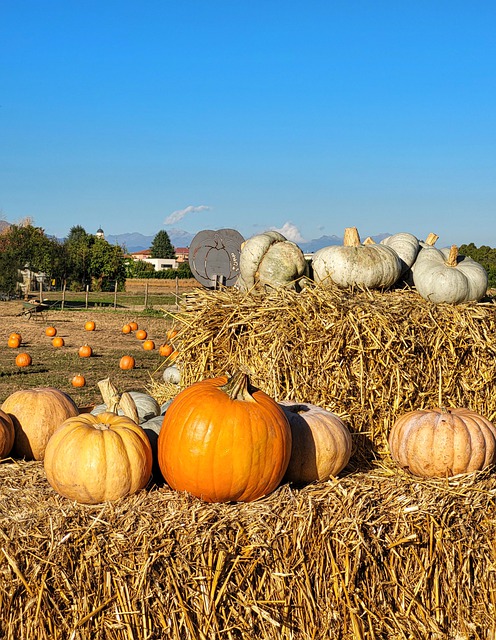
[{"x": 56, "y": 366}]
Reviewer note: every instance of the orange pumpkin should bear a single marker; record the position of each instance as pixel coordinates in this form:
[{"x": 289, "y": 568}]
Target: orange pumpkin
[
  {"x": 127, "y": 362},
  {"x": 148, "y": 345},
  {"x": 78, "y": 380},
  {"x": 96, "y": 458},
  {"x": 16, "y": 335},
  {"x": 36, "y": 413},
  {"x": 13, "y": 342},
  {"x": 90, "y": 325},
  {"x": 50, "y": 332},
  {"x": 165, "y": 350},
  {"x": 58, "y": 341},
  {"x": 85, "y": 351},
  {"x": 23, "y": 360},
  {"x": 7, "y": 434},
  {"x": 224, "y": 440},
  {"x": 133, "y": 325},
  {"x": 141, "y": 334},
  {"x": 126, "y": 329},
  {"x": 171, "y": 334}
]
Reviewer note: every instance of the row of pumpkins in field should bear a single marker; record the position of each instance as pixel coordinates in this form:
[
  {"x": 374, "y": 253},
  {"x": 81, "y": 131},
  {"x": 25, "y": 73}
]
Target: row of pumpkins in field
[
  {"x": 438, "y": 275},
  {"x": 219, "y": 439}
]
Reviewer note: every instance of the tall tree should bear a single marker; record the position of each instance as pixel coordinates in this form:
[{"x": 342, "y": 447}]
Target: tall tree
[
  {"x": 162, "y": 246},
  {"x": 107, "y": 264},
  {"x": 78, "y": 246}
]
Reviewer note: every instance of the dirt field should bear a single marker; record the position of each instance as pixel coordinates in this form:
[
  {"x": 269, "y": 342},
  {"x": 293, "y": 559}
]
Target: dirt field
[{"x": 56, "y": 366}]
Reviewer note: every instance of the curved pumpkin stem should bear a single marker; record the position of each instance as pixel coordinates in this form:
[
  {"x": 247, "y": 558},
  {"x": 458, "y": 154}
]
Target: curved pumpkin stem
[
  {"x": 452, "y": 257},
  {"x": 238, "y": 387}
]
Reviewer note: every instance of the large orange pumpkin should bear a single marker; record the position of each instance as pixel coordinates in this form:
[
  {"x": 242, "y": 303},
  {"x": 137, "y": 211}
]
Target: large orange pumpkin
[
  {"x": 7, "y": 434},
  {"x": 36, "y": 413},
  {"x": 224, "y": 440},
  {"x": 443, "y": 442},
  {"x": 92, "y": 459}
]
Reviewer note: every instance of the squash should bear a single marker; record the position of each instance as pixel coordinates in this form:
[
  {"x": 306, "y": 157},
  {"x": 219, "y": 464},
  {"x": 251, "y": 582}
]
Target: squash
[
  {"x": 126, "y": 329},
  {"x": 36, "y": 413},
  {"x": 441, "y": 275},
  {"x": 126, "y": 363},
  {"x": 224, "y": 440},
  {"x": 321, "y": 443},
  {"x": 58, "y": 342},
  {"x": 90, "y": 325},
  {"x": 442, "y": 442},
  {"x": 373, "y": 266},
  {"x": 7, "y": 434},
  {"x": 85, "y": 351},
  {"x": 270, "y": 260},
  {"x": 133, "y": 325},
  {"x": 93, "y": 459},
  {"x": 165, "y": 350},
  {"x": 406, "y": 246},
  {"x": 141, "y": 334},
  {"x": 23, "y": 359},
  {"x": 172, "y": 374},
  {"x": 148, "y": 345},
  {"x": 51, "y": 332},
  {"x": 13, "y": 342},
  {"x": 78, "y": 380},
  {"x": 146, "y": 406}
]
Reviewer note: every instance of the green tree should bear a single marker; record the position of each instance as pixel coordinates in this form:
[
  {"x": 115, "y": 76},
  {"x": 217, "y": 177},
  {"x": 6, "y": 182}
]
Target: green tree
[
  {"x": 162, "y": 246},
  {"x": 78, "y": 246},
  {"x": 138, "y": 268},
  {"x": 106, "y": 264}
]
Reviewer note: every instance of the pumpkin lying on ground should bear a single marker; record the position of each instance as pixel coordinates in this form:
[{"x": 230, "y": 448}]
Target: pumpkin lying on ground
[
  {"x": 224, "y": 440},
  {"x": 36, "y": 413},
  {"x": 7, "y": 434},
  {"x": 321, "y": 443},
  {"x": 92, "y": 459},
  {"x": 443, "y": 442},
  {"x": 23, "y": 359}
]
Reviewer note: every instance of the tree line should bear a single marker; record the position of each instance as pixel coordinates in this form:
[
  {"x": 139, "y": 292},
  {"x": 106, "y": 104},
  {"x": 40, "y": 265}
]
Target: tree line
[{"x": 80, "y": 260}]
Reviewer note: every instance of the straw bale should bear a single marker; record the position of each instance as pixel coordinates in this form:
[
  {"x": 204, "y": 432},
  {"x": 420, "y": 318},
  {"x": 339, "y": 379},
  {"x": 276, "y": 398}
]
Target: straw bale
[{"x": 367, "y": 356}]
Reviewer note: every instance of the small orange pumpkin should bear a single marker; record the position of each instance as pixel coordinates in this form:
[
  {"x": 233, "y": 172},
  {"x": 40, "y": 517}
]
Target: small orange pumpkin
[
  {"x": 7, "y": 434},
  {"x": 13, "y": 342},
  {"x": 126, "y": 329},
  {"x": 50, "y": 332},
  {"x": 141, "y": 334},
  {"x": 127, "y": 362},
  {"x": 165, "y": 350},
  {"x": 133, "y": 325},
  {"x": 58, "y": 341},
  {"x": 16, "y": 335},
  {"x": 85, "y": 351},
  {"x": 23, "y": 360},
  {"x": 78, "y": 380},
  {"x": 90, "y": 325},
  {"x": 171, "y": 334},
  {"x": 148, "y": 345}
]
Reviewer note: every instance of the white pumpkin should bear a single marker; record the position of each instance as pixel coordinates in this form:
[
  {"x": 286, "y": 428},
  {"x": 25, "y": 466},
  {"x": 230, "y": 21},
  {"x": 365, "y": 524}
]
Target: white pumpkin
[
  {"x": 441, "y": 275},
  {"x": 146, "y": 406},
  {"x": 374, "y": 266},
  {"x": 406, "y": 246},
  {"x": 172, "y": 374}
]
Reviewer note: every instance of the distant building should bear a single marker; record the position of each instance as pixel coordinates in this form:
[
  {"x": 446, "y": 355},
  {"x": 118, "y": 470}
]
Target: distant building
[
  {"x": 99, "y": 233},
  {"x": 182, "y": 255}
]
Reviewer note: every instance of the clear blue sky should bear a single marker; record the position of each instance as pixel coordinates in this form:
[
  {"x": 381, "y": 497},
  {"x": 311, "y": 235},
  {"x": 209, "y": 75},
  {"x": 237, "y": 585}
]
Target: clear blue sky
[{"x": 307, "y": 117}]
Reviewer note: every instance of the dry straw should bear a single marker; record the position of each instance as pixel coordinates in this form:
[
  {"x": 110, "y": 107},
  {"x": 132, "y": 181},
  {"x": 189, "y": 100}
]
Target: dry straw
[{"x": 374, "y": 554}]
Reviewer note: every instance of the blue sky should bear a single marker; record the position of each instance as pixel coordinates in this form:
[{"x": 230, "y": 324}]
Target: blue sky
[{"x": 307, "y": 117}]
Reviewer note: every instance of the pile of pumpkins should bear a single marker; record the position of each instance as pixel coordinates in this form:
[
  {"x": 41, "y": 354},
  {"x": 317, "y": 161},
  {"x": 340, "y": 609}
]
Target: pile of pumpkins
[
  {"x": 438, "y": 275},
  {"x": 220, "y": 439}
]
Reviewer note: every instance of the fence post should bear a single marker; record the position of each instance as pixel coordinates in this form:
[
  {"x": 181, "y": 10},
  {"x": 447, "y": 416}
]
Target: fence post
[
  {"x": 63, "y": 294},
  {"x": 87, "y": 290},
  {"x": 177, "y": 293},
  {"x": 115, "y": 295}
]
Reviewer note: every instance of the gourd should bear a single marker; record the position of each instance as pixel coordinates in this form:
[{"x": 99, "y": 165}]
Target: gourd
[
  {"x": 126, "y": 329},
  {"x": 36, "y": 413},
  {"x": 269, "y": 259},
  {"x": 146, "y": 406},
  {"x": 321, "y": 443},
  {"x": 406, "y": 246},
  {"x": 152, "y": 430},
  {"x": 93, "y": 459},
  {"x": 223, "y": 440},
  {"x": 373, "y": 266},
  {"x": 7, "y": 434},
  {"x": 141, "y": 334},
  {"x": 442, "y": 442},
  {"x": 165, "y": 350},
  {"x": 441, "y": 275}
]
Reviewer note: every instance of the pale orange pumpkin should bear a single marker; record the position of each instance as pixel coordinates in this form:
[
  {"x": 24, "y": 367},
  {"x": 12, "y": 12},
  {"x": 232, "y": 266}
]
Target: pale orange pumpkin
[
  {"x": 23, "y": 360},
  {"x": 90, "y": 325},
  {"x": 85, "y": 351},
  {"x": 224, "y": 440},
  {"x": 58, "y": 341},
  {"x": 50, "y": 332},
  {"x": 127, "y": 362},
  {"x": 321, "y": 443},
  {"x": 7, "y": 434},
  {"x": 94, "y": 459},
  {"x": 36, "y": 413},
  {"x": 148, "y": 345},
  {"x": 442, "y": 442},
  {"x": 141, "y": 334}
]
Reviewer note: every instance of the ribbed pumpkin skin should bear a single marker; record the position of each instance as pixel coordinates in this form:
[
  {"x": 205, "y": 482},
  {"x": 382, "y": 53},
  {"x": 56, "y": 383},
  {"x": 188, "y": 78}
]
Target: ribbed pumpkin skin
[
  {"x": 6, "y": 434},
  {"x": 321, "y": 443},
  {"x": 36, "y": 413},
  {"x": 92, "y": 459},
  {"x": 440, "y": 443},
  {"x": 221, "y": 449}
]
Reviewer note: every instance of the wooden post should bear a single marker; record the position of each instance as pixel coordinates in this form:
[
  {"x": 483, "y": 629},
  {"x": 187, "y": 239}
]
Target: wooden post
[
  {"x": 177, "y": 293},
  {"x": 115, "y": 295},
  {"x": 63, "y": 294},
  {"x": 87, "y": 291},
  {"x": 146, "y": 294},
  {"x": 41, "y": 291}
]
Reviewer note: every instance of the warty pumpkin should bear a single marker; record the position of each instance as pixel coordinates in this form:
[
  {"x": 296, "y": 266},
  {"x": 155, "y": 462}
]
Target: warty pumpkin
[
  {"x": 36, "y": 413},
  {"x": 93, "y": 459},
  {"x": 374, "y": 266},
  {"x": 223, "y": 440},
  {"x": 7, "y": 434},
  {"x": 321, "y": 443},
  {"x": 442, "y": 442}
]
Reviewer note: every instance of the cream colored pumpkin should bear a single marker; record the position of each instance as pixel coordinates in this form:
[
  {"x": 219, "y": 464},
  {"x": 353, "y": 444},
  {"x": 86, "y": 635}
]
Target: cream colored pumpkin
[
  {"x": 373, "y": 266},
  {"x": 321, "y": 443},
  {"x": 406, "y": 246}
]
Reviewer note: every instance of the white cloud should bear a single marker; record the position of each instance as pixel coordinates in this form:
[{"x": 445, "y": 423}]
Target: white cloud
[
  {"x": 175, "y": 216},
  {"x": 290, "y": 231}
]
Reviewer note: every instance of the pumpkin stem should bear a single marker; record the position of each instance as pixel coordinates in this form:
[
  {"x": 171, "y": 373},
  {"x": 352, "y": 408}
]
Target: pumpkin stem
[
  {"x": 113, "y": 399},
  {"x": 452, "y": 257},
  {"x": 431, "y": 239},
  {"x": 238, "y": 387},
  {"x": 369, "y": 240},
  {"x": 351, "y": 237}
]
